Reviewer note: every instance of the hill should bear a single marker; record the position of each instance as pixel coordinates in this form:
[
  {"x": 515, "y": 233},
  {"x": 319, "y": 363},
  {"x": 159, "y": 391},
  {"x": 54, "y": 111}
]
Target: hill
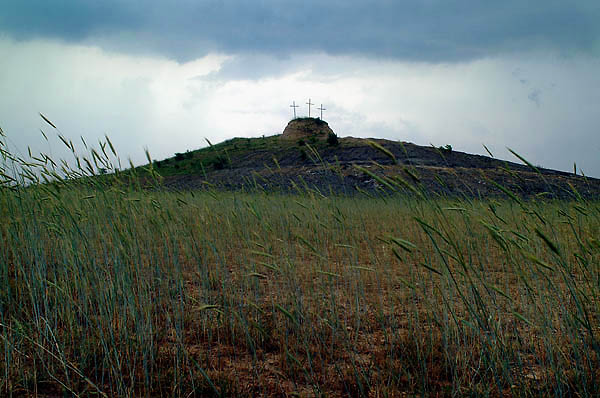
[
  {"x": 111, "y": 290},
  {"x": 294, "y": 161}
]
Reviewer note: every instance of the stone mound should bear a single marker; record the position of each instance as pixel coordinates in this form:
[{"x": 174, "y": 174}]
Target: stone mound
[{"x": 306, "y": 127}]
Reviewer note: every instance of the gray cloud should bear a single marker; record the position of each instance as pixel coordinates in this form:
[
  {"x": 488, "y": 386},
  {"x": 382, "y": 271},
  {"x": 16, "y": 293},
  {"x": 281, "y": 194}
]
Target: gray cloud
[
  {"x": 431, "y": 30},
  {"x": 535, "y": 96}
]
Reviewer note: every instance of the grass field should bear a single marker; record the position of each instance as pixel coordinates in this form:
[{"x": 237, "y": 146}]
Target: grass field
[{"x": 110, "y": 290}]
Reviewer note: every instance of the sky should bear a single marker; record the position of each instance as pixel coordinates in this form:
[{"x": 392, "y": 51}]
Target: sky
[{"x": 165, "y": 76}]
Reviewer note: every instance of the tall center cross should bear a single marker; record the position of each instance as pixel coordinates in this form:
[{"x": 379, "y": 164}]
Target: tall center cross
[
  {"x": 309, "y": 104},
  {"x": 294, "y": 106},
  {"x": 322, "y": 109}
]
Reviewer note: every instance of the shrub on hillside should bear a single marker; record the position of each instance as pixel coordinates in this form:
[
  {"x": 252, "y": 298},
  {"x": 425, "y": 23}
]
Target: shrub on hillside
[
  {"x": 220, "y": 162},
  {"x": 332, "y": 139}
]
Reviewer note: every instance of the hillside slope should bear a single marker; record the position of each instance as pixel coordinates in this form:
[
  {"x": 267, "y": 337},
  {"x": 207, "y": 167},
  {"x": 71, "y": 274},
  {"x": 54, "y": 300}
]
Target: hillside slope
[{"x": 273, "y": 163}]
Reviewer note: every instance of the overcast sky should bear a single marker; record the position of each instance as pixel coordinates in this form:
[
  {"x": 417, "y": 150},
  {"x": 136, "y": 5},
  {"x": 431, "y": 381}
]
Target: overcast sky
[{"x": 166, "y": 75}]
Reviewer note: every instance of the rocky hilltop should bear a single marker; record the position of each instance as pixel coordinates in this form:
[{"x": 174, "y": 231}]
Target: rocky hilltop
[{"x": 306, "y": 128}]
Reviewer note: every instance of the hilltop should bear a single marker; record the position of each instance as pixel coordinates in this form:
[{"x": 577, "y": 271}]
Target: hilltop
[
  {"x": 314, "y": 157},
  {"x": 306, "y": 128}
]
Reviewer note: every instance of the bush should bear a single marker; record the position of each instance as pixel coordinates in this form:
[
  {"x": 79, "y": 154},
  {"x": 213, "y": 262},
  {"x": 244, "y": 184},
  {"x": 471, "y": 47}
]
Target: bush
[
  {"x": 332, "y": 139},
  {"x": 220, "y": 162},
  {"x": 301, "y": 142}
]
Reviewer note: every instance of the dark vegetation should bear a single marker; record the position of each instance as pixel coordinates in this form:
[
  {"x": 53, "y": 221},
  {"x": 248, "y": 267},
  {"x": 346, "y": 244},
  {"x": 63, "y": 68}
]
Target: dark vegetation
[{"x": 332, "y": 139}]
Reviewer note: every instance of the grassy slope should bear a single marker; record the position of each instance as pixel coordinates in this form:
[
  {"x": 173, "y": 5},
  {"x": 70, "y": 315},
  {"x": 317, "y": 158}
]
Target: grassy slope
[
  {"x": 199, "y": 294},
  {"x": 225, "y": 153},
  {"x": 275, "y": 164}
]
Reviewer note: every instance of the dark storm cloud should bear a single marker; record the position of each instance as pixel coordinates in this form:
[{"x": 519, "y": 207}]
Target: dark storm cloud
[{"x": 427, "y": 30}]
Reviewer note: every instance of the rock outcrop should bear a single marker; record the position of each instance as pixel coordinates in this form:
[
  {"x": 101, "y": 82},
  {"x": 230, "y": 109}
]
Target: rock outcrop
[{"x": 305, "y": 128}]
